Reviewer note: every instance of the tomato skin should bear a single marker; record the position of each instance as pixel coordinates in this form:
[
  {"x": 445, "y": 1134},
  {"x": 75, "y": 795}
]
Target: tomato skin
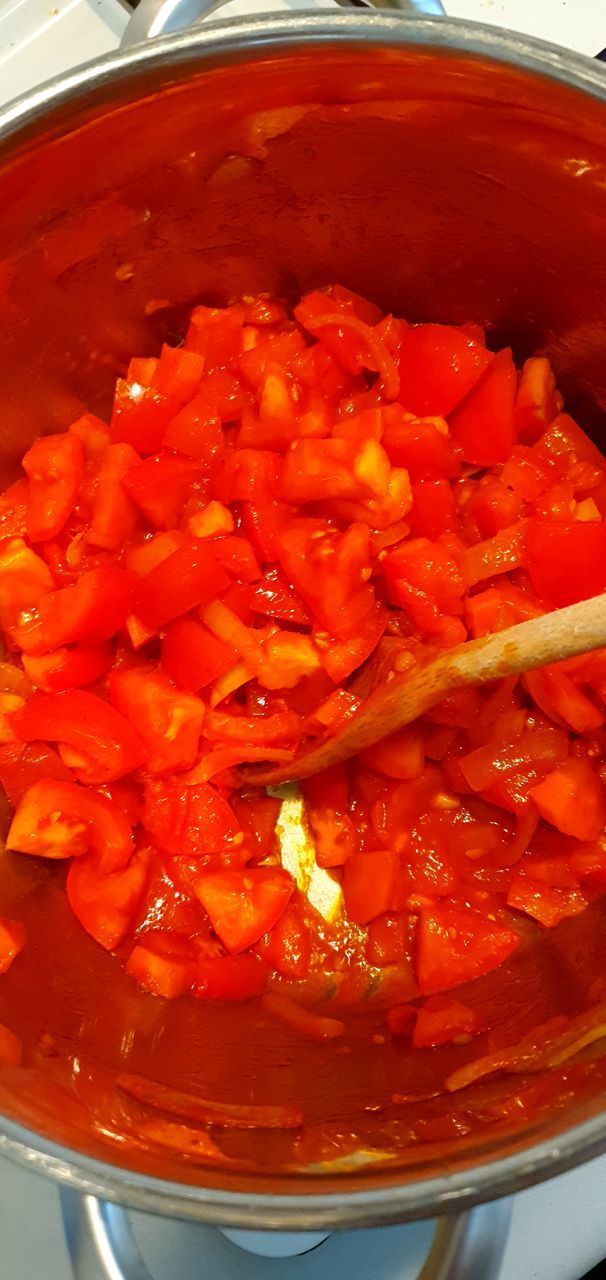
[
  {"x": 566, "y": 562},
  {"x": 68, "y": 668},
  {"x": 243, "y": 905},
  {"x": 188, "y": 578},
  {"x": 438, "y": 366},
  {"x": 483, "y": 424},
  {"x": 168, "y": 721},
  {"x": 192, "y": 656},
  {"x": 88, "y": 725},
  {"x": 56, "y": 819},
  {"x": 55, "y": 468},
  {"x": 12, "y": 940},
  {"x": 107, "y": 905},
  {"x": 229, "y": 977},
  {"x": 455, "y": 945}
]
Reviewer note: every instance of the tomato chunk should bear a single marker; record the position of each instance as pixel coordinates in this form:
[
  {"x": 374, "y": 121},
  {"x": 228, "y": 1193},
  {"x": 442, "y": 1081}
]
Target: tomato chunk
[
  {"x": 57, "y": 819},
  {"x": 190, "y": 577},
  {"x": 573, "y": 799},
  {"x": 168, "y": 721},
  {"x": 55, "y": 468},
  {"x": 442, "y": 1020},
  {"x": 104, "y": 743},
  {"x": 455, "y": 946},
  {"x": 107, "y": 905},
  {"x": 243, "y": 905}
]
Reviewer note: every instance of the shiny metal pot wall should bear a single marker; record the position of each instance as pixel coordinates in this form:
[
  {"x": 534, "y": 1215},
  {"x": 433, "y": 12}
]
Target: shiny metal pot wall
[{"x": 448, "y": 172}]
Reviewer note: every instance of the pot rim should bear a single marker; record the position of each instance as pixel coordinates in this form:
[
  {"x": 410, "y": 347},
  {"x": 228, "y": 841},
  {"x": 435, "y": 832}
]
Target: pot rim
[{"x": 234, "y": 40}]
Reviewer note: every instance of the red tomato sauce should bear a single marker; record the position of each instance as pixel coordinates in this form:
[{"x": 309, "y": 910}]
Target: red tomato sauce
[{"x": 280, "y": 511}]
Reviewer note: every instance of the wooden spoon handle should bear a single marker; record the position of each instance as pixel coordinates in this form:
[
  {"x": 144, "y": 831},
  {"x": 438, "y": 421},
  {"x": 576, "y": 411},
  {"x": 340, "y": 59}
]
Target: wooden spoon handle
[{"x": 579, "y": 628}]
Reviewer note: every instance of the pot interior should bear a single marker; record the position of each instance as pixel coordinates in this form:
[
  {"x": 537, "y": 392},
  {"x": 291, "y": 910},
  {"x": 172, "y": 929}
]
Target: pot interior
[{"x": 444, "y": 185}]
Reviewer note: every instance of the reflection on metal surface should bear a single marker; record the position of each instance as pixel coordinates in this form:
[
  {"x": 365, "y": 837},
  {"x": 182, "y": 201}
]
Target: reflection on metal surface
[{"x": 298, "y": 857}]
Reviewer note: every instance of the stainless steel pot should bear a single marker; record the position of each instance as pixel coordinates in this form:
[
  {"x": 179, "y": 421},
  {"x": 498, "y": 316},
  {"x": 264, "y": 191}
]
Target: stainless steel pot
[{"x": 448, "y": 171}]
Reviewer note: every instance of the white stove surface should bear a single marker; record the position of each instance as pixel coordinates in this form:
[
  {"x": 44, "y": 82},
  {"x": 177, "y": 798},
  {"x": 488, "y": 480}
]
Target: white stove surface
[{"x": 558, "y": 1230}]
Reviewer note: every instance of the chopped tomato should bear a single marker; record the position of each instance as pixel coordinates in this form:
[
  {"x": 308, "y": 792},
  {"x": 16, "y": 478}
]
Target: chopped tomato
[
  {"x": 159, "y": 487},
  {"x": 229, "y": 977},
  {"x": 433, "y": 509},
  {"x": 192, "y": 656},
  {"x": 141, "y": 415},
  {"x": 178, "y": 372},
  {"x": 455, "y": 945},
  {"x": 68, "y": 668},
  {"x": 566, "y": 562},
  {"x": 190, "y": 577},
  {"x": 167, "y": 720},
  {"x": 438, "y": 365},
  {"x": 191, "y": 820},
  {"x": 25, "y": 579},
  {"x": 104, "y": 745},
  {"x": 372, "y": 884},
  {"x": 400, "y": 755},
  {"x": 114, "y": 515},
  {"x": 442, "y": 1020},
  {"x": 546, "y": 903},
  {"x": 55, "y": 469},
  {"x": 287, "y": 947},
  {"x": 163, "y": 963},
  {"x": 483, "y": 424},
  {"x": 388, "y": 940},
  {"x": 290, "y": 509},
  {"x": 572, "y": 798},
  {"x": 22, "y": 765},
  {"x": 422, "y": 445},
  {"x": 243, "y": 905},
  {"x": 56, "y": 819},
  {"x": 424, "y": 579},
  {"x": 107, "y": 905},
  {"x": 93, "y": 609},
  {"x": 330, "y": 571},
  {"x": 536, "y": 403}
]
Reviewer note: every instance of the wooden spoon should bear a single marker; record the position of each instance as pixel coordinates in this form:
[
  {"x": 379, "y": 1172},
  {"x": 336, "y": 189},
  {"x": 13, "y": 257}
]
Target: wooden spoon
[{"x": 403, "y": 697}]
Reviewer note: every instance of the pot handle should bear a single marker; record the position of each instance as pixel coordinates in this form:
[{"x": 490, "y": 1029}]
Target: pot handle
[
  {"x": 163, "y": 17},
  {"x": 101, "y": 1242}
]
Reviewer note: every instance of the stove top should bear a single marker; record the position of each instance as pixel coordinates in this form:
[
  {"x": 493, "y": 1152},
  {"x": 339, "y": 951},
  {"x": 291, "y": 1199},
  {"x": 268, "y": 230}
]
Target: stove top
[{"x": 558, "y": 1230}]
